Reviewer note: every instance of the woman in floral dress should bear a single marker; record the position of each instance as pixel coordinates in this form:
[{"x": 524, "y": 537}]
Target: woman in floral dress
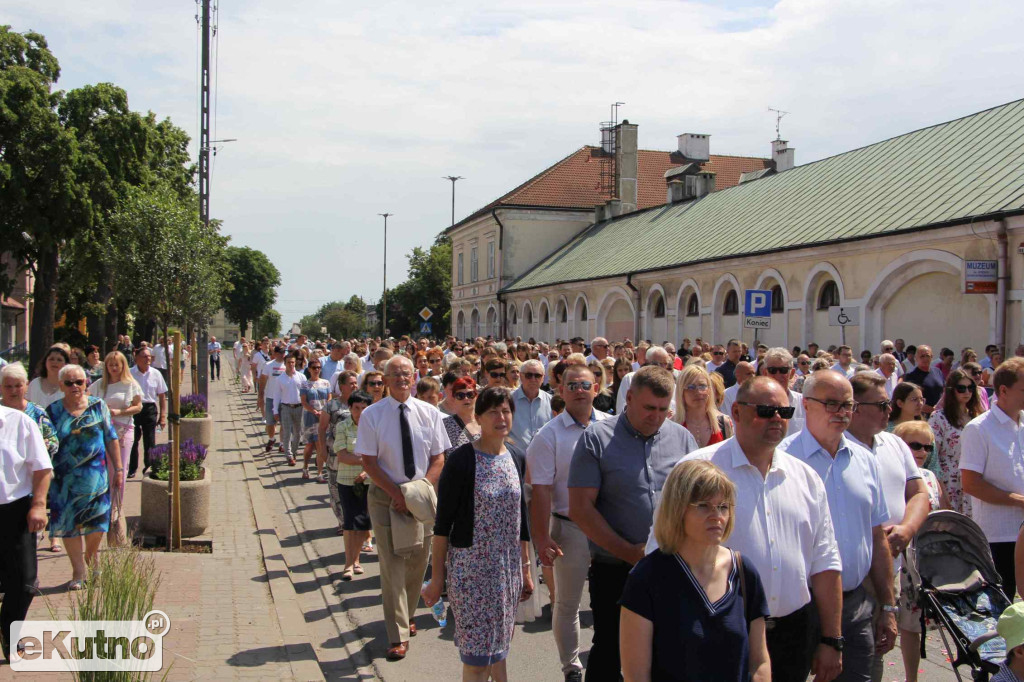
[
  {"x": 481, "y": 540},
  {"x": 960, "y": 404},
  {"x": 314, "y": 395}
]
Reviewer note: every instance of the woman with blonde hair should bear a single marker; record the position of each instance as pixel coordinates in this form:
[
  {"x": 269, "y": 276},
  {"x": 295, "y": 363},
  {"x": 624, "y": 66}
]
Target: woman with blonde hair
[
  {"x": 604, "y": 401},
  {"x": 696, "y": 408},
  {"x": 123, "y": 396},
  {"x": 718, "y": 386},
  {"x": 692, "y": 584}
]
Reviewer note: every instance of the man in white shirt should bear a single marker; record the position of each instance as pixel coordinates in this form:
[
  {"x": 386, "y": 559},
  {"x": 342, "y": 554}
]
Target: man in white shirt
[
  {"x": 906, "y": 494},
  {"x": 717, "y": 357},
  {"x": 783, "y": 528},
  {"x": 27, "y": 470},
  {"x": 268, "y": 375},
  {"x": 214, "y": 348},
  {"x": 888, "y": 369},
  {"x": 656, "y": 355},
  {"x": 260, "y": 357},
  {"x": 533, "y": 406},
  {"x": 844, "y": 361},
  {"x": 286, "y": 395},
  {"x": 991, "y": 459},
  {"x": 778, "y": 365},
  {"x": 744, "y": 370},
  {"x": 890, "y": 348},
  {"x": 162, "y": 353},
  {"x": 238, "y": 352},
  {"x": 401, "y": 440},
  {"x": 859, "y": 514},
  {"x": 154, "y": 394},
  {"x": 598, "y": 350},
  {"x": 560, "y": 542}
]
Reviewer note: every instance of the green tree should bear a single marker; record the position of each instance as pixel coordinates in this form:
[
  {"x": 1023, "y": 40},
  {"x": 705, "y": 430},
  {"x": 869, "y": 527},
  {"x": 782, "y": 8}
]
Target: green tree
[
  {"x": 310, "y": 326},
  {"x": 429, "y": 284},
  {"x": 253, "y": 280},
  {"x": 269, "y": 324}
]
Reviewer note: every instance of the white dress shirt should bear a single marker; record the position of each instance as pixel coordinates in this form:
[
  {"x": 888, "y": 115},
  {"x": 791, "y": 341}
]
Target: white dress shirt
[
  {"x": 890, "y": 382},
  {"x": 152, "y": 384},
  {"x": 22, "y": 453},
  {"x": 848, "y": 373},
  {"x": 730, "y": 398},
  {"x": 620, "y": 399},
  {"x": 287, "y": 390},
  {"x": 992, "y": 444},
  {"x": 782, "y": 523},
  {"x": 550, "y": 455},
  {"x": 380, "y": 436},
  {"x": 368, "y": 364},
  {"x": 855, "y": 498}
]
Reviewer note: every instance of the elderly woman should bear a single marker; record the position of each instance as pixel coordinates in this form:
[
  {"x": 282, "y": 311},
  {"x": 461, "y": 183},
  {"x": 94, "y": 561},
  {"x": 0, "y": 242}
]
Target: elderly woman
[
  {"x": 481, "y": 540},
  {"x": 693, "y": 609},
  {"x": 373, "y": 383},
  {"x": 13, "y": 391},
  {"x": 45, "y": 388},
  {"x": 461, "y": 426},
  {"x": 80, "y": 492},
  {"x": 123, "y": 396}
]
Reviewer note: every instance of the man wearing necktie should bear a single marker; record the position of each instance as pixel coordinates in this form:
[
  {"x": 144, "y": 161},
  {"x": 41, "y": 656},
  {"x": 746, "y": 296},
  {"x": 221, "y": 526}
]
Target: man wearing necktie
[{"x": 400, "y": 439}]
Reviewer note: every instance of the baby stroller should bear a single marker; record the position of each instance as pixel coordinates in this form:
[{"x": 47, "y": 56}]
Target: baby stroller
[{"x": 954, "y": 580}]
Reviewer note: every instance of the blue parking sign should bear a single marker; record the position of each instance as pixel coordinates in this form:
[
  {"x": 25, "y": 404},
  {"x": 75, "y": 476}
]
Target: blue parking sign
[{"x": 758, "y": 303}]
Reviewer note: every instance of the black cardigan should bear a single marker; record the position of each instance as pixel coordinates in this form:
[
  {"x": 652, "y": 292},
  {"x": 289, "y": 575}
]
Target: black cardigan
[{"x": 455, "y": 496}]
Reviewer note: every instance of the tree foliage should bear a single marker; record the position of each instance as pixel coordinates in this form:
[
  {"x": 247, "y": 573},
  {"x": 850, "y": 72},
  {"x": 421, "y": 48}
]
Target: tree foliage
[
  {"x": 253, "y": 279},
  {"x": 269, "y": 324},
  {"x": 429, "y": 284}
]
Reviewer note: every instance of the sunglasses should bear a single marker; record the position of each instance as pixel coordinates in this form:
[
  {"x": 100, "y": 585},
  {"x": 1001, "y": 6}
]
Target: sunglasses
[
  {"x": 578, "y": 385},
  {"x": 927, "y": 447},
  {"x": 964, "y": 388},
  {"x": 464, "y": 395},
  {"x": 497, "y": 375},
  {"x": 777, "y": 370},
  {"x": 699, "y": 388},
  {"x": 532, "y": 375},
  {"x": 769, "y": 411},
  {"x": 76, "y": 382},
  {"x": 374, "y": 383},
  {"x": 718, "y": 352}
]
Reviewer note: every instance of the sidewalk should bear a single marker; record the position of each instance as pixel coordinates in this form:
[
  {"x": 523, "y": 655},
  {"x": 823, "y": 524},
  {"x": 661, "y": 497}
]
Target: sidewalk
[{"x": 225, "y": 622}]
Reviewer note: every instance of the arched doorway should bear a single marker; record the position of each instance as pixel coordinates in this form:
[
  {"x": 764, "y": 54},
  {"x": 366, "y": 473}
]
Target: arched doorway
[
  {"x": 460, "y": 325},
  {"x": 615, "y": 316},
  {"x": 581, "y": 315},
  {"x": 657, "y": 325},
  {"x": 492, "y": 322},
  {"x": 687, "y": 313},
  {"x": 474, "y": 323}
]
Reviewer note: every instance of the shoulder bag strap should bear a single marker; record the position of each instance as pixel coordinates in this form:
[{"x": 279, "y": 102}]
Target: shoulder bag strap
[{"x": 743, "y": 580}]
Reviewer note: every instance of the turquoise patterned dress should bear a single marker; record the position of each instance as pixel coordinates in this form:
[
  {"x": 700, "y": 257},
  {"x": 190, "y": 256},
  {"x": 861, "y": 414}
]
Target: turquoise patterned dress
[
  {"x": 38, "y": 415},
  {"x": 79, "y": 492}
]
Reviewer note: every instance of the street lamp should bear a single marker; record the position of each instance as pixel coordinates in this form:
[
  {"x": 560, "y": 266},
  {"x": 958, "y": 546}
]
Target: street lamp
[
  {"x": 384, "y": 309},
  {"x": 453, "y": 178}
]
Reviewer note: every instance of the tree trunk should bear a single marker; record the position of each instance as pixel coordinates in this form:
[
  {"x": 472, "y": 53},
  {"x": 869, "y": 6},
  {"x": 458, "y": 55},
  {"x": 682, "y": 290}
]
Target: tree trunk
[
  {"x": 110, "y": 328},
  {"x": 144, "y": 331},
  {"x": 44, "y": 306}
]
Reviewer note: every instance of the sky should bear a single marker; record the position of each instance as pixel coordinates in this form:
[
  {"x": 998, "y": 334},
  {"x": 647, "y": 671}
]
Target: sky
[{"x": 343, "y": 110}]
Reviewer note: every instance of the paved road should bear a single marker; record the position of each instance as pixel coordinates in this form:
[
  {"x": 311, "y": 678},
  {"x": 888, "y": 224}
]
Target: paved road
[{"x": 344, "y": 619}]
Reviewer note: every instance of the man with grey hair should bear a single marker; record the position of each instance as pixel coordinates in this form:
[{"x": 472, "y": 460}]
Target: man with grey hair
[
  {"x": 502, "y": 350},
  {"x": 743, "y": 371},
  {"x": 532, "y": 405},
  {"x": 888, "y": 368},
  {"x": 657, "y": 356},
  {"x": 778, "y": 365},
  {"x": 598, "y": 350}
]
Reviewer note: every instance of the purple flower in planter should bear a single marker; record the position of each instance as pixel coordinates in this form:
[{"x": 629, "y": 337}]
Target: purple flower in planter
[
  {"x": 194, "y": 405},
  {"x": 192, "y": 452}
]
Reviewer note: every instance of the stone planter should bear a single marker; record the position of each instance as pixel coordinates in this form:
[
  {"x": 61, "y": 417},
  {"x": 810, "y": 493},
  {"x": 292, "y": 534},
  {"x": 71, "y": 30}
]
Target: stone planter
[
  {"x": 200, "y": 430},
  {"x": 195, "y": 506}
]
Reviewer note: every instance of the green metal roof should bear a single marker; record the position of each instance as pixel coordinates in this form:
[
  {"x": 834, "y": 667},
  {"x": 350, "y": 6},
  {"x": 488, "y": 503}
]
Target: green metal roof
[{"x": 951, "y": 172}]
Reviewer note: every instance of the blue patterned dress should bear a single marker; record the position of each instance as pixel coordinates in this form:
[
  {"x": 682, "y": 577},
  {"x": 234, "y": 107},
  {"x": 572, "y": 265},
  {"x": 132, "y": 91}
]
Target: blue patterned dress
[
  {"x": 316, "y": 394},
  {"x": 79, "y": 492},
  {"x": 485, "y": 580},
  {"x": 38, "y": 415}
]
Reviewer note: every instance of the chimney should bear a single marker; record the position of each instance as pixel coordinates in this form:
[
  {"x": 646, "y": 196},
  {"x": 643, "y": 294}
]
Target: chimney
[
  {"x": 695, "y": 147},
  {"x": 783, "y": 155},
  {"x": 626, "y": 167},
  {"x": 688, "y": 182}
]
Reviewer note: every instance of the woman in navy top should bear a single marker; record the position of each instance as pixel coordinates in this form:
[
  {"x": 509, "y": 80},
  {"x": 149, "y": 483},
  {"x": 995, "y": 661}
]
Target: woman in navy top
[{"x": 693, "y": 610}]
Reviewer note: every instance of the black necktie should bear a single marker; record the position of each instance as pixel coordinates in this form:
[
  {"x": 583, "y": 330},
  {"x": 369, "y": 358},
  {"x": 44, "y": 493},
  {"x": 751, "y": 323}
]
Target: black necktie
[{"x": 410, "y": 464}]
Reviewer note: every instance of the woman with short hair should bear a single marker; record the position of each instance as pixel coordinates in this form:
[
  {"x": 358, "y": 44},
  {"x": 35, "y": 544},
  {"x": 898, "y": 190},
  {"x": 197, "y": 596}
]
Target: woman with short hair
[
  {"x": 693, "y": 609},
  {"x": 92, "y": 365},
  {"x": 45, "y": 388},
  {"x": 461, "y": 426},
  {"x": 373, "y": 383}
]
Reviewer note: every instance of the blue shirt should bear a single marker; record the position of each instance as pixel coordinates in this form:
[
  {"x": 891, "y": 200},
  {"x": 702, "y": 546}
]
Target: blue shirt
[
  {"x": 628, "y": 470},
  {"x": 856, "y": 501},
  {"x": 530, "y": 416},
  {"x": 328, "y": 367}
]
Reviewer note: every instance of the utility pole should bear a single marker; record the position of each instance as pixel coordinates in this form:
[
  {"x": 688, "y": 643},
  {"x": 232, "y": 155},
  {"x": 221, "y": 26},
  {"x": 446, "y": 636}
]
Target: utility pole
[
  {"x": 200, "y": 351},
  {"x": 384, "y": 306},
  {"x": 453, "y": 178}
]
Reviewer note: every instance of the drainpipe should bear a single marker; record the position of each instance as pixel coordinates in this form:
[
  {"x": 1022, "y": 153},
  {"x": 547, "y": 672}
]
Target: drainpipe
[
  {"x": 1001, "y": 289},
  {"x": 636, "y": 307},
  {"x": 499, "y": 271}
]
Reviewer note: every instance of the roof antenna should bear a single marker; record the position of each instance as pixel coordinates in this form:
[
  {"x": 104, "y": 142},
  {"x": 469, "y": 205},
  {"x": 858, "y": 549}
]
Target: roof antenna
[{"x": 779, "y": 115}]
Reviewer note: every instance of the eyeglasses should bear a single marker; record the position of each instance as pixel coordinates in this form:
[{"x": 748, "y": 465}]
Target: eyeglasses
[
  {"x": 600, "y": 345},
  {"x": 375, "y": 383},
  {"x": 579, "y": 385},
  {"x": 464, "y": 395},
  {"x": 881, "y": 405},
  {"x": 834, "y": 406},
  {"x": 76, "y": 382},
  {"x": 698, "y": 388},
  {"x": 777, "y": 370},
  {"x": 769, "y": 411},
  {"x": 718, "y": 352},
  {"x": 314, "y": 366},
  {"x": 497, "y": 375},
  {"x": 400, "y": 375},
  {"x": 927, "y": 447},
  {"x": 532, "y": 375},
  {"x": 706, "y": 508},
  {"x": 964, "y": 388},
  {"x": 805, "y": 362}
]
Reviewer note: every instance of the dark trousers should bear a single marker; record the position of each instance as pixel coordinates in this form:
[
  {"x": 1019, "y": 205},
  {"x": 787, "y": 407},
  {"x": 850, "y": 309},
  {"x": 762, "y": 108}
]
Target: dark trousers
[
  {"x": 17, "y": 566},
  {"x": 859, "y": 632},
  {"x": 215, "y": 367},
  {"x": 607, "y": 578},
  {"x": 792, "y": 640},
  {"x": 1002, "y": 556},
  {"x": 166, "y": 374},
  {"x": 145, "y": 431}
]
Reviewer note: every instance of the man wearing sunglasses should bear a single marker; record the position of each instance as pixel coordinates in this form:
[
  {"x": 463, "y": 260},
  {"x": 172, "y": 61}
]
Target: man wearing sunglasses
[
  {"x": 906, "y": 495},
  {"x": 783, "y": 528},
  {"x": 598, "y": 350},
  {"x": 717, "y": 357},
  {"x": 859, "y": 517},
  {"x": 533, "y": 406}
]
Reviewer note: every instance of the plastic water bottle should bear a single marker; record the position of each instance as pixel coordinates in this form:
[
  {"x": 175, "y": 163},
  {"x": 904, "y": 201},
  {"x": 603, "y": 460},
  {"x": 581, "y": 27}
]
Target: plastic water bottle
[{"x": 439, "y": 610}]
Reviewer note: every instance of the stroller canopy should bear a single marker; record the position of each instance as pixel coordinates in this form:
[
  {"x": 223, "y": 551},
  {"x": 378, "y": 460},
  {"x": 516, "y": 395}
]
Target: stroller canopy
[{"x": 952, "y": 553}]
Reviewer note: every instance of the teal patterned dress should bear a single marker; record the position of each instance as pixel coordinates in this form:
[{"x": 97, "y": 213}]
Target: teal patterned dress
[
  {"x": 38, "y": 415},
  {"x": 80, "y": 493}
]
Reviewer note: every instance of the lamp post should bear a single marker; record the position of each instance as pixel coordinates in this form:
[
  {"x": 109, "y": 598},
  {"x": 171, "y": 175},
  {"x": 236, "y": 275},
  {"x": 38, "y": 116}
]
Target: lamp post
[
  {"x": 453, "y": 178},
  {"x": 384, "y": 307}
]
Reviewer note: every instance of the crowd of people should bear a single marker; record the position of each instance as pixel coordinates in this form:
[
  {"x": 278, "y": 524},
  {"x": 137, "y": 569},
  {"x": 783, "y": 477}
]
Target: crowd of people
[{"x": 735, "y": 513}]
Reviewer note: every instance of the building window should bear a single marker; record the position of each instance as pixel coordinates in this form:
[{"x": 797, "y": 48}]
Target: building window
[
  {"x": 828, "y": 296},
  {"x": 512, "y": 314},
  {"x": 732, "y": 304},
  {"x": 544, "y": 315},
  {"x": 529, "y": 315},
  {"x": 778, "y": 304},
  {"x": 490, "y": 260},
  {"x": 460, "y": 269},
  {"x": 583, "y": 312},
  {"x": 693, "y": 306},
  {"x": 563, "y": 314},
  {"x": 473, "y": 272},
  {"x": 659, "y": 306}
]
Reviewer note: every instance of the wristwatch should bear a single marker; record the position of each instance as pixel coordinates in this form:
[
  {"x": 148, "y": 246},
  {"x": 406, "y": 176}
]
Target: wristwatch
[
  {"x": 890, "y": 608},
  {"x": 836, "y": 643}
]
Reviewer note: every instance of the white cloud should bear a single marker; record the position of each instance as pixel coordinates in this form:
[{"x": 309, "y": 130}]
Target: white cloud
[{"x": 343, "y": 111}]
